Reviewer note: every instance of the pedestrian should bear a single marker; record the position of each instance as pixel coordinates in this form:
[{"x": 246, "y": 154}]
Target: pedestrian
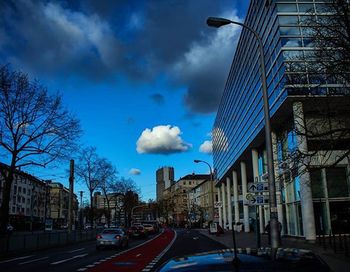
[{"x": 268, "y": 230}]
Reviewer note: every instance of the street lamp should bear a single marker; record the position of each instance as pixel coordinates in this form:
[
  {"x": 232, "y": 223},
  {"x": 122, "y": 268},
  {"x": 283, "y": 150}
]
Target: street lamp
[
  {"x": 211, "y": 182},
  {"x": 218, "y": 22}
]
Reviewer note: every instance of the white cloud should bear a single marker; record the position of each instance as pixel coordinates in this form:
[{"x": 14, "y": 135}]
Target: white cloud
[
  {"x": 161, "y": 140},
  {"x": 135, "y": 171},
  {"x": 206, "y": 147}
]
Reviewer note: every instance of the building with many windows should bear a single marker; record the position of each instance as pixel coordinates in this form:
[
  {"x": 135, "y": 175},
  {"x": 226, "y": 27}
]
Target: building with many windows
[
  {"x": 59, "y": 203},
  {"x": 29, "y": 200},
  {"x": 201, "y": 203},
  {"x": 313, "y": 192},
  {"x": 164, "y": 179}
]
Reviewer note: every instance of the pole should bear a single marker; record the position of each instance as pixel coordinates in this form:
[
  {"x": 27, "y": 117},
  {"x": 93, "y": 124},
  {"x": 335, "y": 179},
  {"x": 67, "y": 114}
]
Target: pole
[
  {"x": 211, "y": 186},
  {"x": 81, "y": 209},
  {"x": 70, "y": 202},
  {"x": 274, "y": 229}
]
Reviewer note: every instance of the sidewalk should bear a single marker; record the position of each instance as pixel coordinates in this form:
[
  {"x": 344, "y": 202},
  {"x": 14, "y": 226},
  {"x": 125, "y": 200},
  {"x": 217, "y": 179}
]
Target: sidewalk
[{"x": 337, "y": 262}]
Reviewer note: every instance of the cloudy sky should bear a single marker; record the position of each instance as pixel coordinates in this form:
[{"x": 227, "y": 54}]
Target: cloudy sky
[{"x": 144, "y": 77}]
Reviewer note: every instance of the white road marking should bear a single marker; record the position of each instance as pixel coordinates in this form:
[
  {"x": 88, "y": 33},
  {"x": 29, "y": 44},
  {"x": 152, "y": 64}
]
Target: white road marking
[
  {"x": 15, "y": 259},
  {"x": 32, "y": 261},
  {"x": 80, "y": 249},
  {"x": 69, "y": 259}
]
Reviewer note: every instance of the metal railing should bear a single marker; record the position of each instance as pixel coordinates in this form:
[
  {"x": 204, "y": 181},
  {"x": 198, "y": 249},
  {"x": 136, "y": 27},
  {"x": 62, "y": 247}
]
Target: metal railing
[{"x": 339, "y": 243}]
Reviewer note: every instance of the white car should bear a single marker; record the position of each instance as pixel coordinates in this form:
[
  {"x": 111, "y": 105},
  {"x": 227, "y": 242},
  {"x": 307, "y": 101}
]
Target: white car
[{"x": 112, "y": 237}]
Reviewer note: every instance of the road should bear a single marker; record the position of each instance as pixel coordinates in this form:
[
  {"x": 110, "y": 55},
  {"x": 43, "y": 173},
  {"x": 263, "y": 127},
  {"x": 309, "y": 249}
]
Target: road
[
  {"x": 142, "y": 254},
  {"x": 189, "y": 242},
  {"x": 67, "y": 258}
]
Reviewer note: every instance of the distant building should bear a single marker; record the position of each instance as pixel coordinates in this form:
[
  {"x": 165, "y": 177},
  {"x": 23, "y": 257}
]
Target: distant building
[
  {"x": 165, "y": 179},
  {"x": 116, "y": 206},
  {"x": 201, "y": 200},
  {"x": 28, "y": 205},
  {"x": 177, "y": 197},
  {"x": 59, "y": 200}
]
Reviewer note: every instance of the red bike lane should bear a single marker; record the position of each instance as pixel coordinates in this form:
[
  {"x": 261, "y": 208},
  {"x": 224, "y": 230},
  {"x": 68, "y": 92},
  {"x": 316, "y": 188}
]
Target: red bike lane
[{"x": 137, "y": 258}]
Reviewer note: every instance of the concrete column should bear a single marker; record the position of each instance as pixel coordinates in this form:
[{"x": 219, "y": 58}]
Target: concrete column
[
  {"x": 235, "y": 196},
  {"x": 278, "y": 182},
  {"x": 255, "y": 162},
  {"x": 244, "y": 192},
  {"x": 223, "y": 205},
  {"x": 307, "y": 208},
  {"x": 328, "y": 226},
  {"x": 220, "y": 208},
  {"x": 229, "y": 203}
]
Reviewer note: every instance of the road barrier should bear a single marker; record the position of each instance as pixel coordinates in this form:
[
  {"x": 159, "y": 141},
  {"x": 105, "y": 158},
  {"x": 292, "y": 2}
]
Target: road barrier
[{"x": 10, "y": 243}]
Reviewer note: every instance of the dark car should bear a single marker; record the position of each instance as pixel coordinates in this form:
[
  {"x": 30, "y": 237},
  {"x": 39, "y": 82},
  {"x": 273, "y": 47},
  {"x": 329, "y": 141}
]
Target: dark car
[
  {"x": 112, "y": 237},
  {"x": 222, "y": 260},
  {"x": 138, "y": 231}
]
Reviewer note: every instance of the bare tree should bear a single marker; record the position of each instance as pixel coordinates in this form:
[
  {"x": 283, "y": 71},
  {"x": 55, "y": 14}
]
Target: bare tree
[
  {"x": 88, "y": 170},
  {"x": 107, "y": 178},
  {"x": 324, "y": 74},
  {"x": 35, "y": 129}
]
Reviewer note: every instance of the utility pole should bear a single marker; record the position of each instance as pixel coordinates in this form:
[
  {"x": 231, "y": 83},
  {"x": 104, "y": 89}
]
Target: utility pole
[
  {"x": 81, "y": 209},
  {"x": 71, "y": 188}
]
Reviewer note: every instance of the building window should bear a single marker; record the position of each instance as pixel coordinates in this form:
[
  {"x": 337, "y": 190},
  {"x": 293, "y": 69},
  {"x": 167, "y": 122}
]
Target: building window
[
  {"x": 336, "y": 182},
  {"x": 316, "y": 183}
]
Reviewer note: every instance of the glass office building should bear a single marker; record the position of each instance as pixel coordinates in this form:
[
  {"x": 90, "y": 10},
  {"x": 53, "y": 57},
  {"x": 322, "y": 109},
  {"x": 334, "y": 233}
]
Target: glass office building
[{"x": 311, "y": 201}]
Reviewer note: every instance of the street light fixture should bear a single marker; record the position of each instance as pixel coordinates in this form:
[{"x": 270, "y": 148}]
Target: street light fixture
[
  {"x": 218, "y": 22},
  {"x": 211, "y": 182}
]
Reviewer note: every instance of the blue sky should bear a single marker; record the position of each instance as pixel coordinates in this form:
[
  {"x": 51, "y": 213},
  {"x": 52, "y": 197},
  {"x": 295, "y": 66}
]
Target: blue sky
[{"x": 144, "y": 77}]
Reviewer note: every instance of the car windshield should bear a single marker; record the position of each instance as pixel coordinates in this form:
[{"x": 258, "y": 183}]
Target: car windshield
[{"x": 112, "y": 231}]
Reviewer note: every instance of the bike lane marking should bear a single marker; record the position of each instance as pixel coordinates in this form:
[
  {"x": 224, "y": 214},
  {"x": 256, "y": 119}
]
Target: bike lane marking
[
  {"x": 126, "y": 261},
  {"x": 150, "y": 266}
]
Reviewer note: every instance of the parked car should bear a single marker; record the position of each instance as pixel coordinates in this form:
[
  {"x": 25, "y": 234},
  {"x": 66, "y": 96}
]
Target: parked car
[
  {"x": 112, "y": 237},
  {"x": 138, "y": 231},
  {"x": 287, "y": 260},
  {"x": 149, "y": 228}
]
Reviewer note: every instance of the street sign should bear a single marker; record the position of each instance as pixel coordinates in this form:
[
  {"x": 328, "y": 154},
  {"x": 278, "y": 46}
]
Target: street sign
[
  {"x": 253, "y": 200},
  {"x": 218, "y": 204},
  {"x": 258, "y": 187}
]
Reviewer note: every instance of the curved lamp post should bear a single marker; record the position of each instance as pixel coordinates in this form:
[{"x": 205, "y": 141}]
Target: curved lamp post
[
  {"x": 218, "y": 22},
  {"x": 211, "y": 184}
]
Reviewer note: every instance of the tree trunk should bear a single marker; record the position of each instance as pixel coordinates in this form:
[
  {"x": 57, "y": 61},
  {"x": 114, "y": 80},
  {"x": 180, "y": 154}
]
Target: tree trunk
[
  {"x": 91, "y": 210},
  {"x": 4, "y": 210}
]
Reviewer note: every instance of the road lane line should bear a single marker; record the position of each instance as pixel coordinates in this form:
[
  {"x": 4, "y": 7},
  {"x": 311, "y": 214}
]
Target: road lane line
[
  {"x": 18, "y": 258},
  {"x": 32, "y": 261},
  {"x": 72, "y": 251},
  {"x": 69, "y": 259}
]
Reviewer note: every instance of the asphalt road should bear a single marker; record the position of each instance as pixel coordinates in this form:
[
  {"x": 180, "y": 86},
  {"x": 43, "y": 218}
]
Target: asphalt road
[
  {"x": 189, "y": 242},
  {"x": 67, "y": 258}
]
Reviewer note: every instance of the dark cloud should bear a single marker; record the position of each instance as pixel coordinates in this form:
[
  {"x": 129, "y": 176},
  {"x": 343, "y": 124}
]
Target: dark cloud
[
  {"x": 99, "y": 40},
  {"x": 158, "y": 98}
]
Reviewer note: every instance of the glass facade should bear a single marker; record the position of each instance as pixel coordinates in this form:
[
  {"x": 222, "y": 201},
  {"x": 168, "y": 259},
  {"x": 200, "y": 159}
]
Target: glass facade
[{"x": 287, "y": 45}]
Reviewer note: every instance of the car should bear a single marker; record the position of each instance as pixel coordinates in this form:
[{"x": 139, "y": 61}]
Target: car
[
  {"x": 112, "y": 237},
  {"x": 255, "y": 260},
  {"x": 149, "y": 228},
  {"x": 9, "y": 228},
  {"x": 138, "y": 231}
]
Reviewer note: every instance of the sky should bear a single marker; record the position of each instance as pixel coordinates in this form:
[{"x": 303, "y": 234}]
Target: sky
[{"x": 144, "y": 78}]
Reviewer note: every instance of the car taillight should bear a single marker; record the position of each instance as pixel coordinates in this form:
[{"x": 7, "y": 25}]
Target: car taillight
[
  {"x": 117, "y": 237},
  {"x": 98, "y": 237}
]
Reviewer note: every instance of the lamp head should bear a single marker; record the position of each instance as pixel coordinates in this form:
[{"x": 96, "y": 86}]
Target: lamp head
[
  {"x": 217, "y": 22},
  {"x": 197, "y": 161}
]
